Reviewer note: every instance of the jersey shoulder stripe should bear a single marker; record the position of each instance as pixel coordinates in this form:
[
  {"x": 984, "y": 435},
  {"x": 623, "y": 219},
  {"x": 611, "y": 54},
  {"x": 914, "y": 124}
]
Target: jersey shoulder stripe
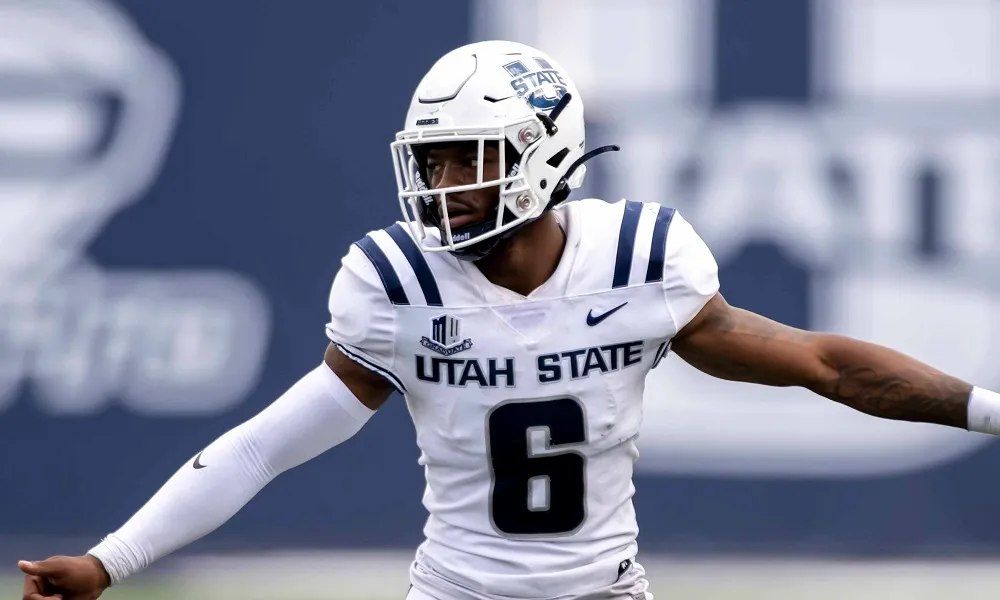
[
  {"x": 641, "y": 249},
  {"x": 384, "y": 268},
  {"x": 356, "y": 356},
  {"x": 658, "y": 244},
  {"x": 417, "y": 262},
  {"x": 626, "y": 243},
  {"x": 402, "y": 267}
]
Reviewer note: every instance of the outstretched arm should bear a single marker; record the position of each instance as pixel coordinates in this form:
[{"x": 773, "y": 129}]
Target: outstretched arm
[
  {"x": 732, "y": 343},
  {"x": 323, "y": 409}
]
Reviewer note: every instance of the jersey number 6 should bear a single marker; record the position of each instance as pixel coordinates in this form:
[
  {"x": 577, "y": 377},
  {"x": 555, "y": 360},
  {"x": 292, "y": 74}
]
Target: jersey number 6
[{"x": 516, "y": 469}]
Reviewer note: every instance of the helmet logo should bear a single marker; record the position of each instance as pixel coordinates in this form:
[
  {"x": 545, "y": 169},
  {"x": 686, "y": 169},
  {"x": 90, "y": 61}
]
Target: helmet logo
[
  {"x": 547, "y": 96},
  {"x": 539, "y": 84},
  {"x": 516, "y": 68}
]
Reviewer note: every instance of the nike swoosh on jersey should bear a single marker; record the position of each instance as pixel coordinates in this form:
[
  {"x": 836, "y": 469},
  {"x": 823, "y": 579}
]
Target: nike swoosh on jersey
[
  {"x": 592, "y": 320},
  {"x": 197, "y": 462}
]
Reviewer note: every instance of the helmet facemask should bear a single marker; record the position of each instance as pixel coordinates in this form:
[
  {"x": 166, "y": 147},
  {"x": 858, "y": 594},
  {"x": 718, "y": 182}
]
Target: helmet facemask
[
  {"x": 429, "y": 207},
  {"x": 426, "y": 209}
]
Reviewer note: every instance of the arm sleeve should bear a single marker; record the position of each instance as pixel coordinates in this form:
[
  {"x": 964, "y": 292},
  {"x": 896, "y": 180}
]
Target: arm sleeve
[
  {"x": 691, "y": 276},
  {"x": 315, "y": 414},
  {"x": 362, "y": 320}
]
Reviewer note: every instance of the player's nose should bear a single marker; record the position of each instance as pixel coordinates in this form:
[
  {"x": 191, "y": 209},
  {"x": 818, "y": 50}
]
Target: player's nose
[{"x": 452, "y": 174}]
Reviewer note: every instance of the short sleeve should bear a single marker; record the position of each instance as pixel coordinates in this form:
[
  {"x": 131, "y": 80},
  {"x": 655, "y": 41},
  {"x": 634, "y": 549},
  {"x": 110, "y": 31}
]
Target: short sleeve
[
  {"x": 362, "y": 320},
  {"x": 691, "y": 275}
]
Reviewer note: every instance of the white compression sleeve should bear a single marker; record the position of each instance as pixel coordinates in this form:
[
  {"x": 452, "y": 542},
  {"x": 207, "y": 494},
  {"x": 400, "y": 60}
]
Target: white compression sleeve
[
  {"x": 315, "y": 414},
  {"x": 984, "y": 411}
]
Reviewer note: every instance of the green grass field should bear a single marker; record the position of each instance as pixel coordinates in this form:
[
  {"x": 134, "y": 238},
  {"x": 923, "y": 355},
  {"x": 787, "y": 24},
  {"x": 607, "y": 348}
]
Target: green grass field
[{"x": 383, "y": 576}]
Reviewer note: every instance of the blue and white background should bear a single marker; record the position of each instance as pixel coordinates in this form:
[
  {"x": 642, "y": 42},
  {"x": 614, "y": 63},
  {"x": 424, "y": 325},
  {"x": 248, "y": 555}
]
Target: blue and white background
[{"x": 178, "y": 181}]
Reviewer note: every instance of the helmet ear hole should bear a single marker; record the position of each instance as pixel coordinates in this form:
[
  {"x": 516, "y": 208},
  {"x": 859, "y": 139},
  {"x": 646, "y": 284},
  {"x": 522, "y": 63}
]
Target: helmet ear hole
[{"x": 556, "y": 159}]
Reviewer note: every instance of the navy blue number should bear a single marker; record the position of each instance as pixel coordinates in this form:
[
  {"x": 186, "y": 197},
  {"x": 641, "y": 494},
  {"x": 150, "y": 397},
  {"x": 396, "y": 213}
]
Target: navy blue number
[{"x": 514, "y": 467}]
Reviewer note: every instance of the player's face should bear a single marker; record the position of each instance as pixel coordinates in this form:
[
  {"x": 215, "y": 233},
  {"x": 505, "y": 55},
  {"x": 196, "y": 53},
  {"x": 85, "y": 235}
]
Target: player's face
[{"x": 456, "y": 164}]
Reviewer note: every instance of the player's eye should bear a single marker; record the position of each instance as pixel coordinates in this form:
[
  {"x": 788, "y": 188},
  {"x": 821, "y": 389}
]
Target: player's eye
[{"x": 469, "y": 160}]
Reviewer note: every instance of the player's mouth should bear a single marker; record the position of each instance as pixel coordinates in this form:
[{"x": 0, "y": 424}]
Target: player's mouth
[{"x": 460, "y": 215}]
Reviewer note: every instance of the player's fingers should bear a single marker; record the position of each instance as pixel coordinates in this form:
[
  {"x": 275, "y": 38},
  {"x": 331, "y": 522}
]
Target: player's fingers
[
  {"x": 34, "y": 589},
  {"x": 28, "y": 567},
  {"x": 32, "y": 584},
  {"x": 41, "y": 567},
  {"x": 38, "y": 587}
]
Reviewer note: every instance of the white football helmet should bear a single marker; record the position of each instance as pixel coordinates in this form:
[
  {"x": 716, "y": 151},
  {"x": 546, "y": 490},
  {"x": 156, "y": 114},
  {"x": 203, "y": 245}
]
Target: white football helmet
[{"x": 503, "y": 92}]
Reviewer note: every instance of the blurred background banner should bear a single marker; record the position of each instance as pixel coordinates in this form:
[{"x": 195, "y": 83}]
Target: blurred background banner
[{"x": 178, "y": 182}]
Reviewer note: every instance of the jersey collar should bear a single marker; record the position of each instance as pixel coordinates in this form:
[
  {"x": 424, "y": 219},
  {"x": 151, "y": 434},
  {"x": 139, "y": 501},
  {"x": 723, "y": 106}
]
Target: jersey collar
[{"x": 553, "y": 287}]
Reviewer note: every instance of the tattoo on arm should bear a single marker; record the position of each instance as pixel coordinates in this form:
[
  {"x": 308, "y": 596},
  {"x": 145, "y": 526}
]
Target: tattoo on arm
[
  {"x": 899, "y": 387},
  {"x": 739, "y": 345}
]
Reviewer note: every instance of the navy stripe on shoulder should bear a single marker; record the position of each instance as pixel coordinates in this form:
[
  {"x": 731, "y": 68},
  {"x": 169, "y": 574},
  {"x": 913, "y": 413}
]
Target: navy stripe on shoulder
[
  {"x": 416, "y": 259},
  {"x": 658, "y": 247},
  {"x": 393, "y": 288},
  {"x": 364, "y": 362},
  {"x": 626, "y": 243},
  {"x": 661, "y": 352}
]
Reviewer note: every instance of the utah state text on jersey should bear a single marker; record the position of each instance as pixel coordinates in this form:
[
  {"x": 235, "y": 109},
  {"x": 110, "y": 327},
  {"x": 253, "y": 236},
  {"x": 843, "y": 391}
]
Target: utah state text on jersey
[{"x": 489, "y": 372}]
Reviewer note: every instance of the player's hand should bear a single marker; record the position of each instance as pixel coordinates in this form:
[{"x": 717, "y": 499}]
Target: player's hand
[{"x": 64, "y": 578}]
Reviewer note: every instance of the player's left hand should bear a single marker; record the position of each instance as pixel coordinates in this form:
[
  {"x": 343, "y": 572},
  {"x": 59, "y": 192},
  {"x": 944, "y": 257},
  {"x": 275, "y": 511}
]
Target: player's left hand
[{"x": 64, "y": 578}]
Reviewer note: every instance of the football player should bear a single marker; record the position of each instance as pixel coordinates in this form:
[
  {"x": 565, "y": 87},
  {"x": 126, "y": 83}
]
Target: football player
[{"x": 519, "y": 329}]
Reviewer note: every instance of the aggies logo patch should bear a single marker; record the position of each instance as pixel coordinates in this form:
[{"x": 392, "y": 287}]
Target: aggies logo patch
[{"x": 445, "y": 338}]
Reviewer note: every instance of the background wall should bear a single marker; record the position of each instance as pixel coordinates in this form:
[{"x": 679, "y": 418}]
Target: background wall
[
  {"x": 197, "y": 293},
  {"x": 178, "y": 182}
]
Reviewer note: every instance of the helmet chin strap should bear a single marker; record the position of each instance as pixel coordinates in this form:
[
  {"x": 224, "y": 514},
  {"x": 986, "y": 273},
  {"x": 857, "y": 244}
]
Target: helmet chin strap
[
  {"x": 478, "y": 250},
  {"x": 481, "y": 249},
  {"x": 562, "y": 189}
]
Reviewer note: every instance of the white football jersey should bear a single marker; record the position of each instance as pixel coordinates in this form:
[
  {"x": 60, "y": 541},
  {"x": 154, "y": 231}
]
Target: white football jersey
[{"x": 526, "y": 408}]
